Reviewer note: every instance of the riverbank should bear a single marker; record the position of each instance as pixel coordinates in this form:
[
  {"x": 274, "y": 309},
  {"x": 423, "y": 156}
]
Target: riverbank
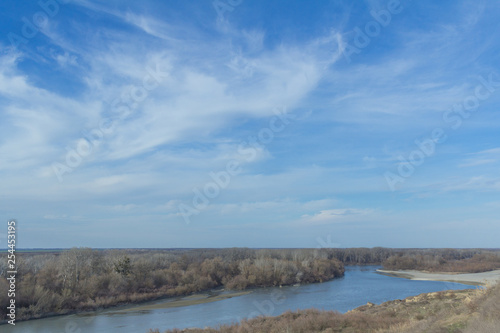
[
  {"x": 98, "y": 279},
  {"x": 454, "y": 311},
  {"x": 484, "y": 278},
  {"x": 146, "y": 302},
  {"x": 187, "y": 301}
]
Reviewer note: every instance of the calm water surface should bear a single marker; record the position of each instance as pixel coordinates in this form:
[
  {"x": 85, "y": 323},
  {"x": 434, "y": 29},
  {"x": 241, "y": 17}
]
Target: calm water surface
[{"x": 359, "y": 286}]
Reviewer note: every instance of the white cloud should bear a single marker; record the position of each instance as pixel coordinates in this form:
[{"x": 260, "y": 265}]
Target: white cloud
[
  {"x": 483, "y": 157},
  {"x": 337, "y": 215}
]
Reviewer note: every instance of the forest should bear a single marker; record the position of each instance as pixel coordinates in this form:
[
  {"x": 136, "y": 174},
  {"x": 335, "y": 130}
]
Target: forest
[
  {"x": 445, "y": 260},
  {"x": 84, "y": 279}
]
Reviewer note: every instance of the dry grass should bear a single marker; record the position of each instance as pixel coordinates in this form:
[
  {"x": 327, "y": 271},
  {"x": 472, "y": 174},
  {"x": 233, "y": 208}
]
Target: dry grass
[{"x": 486, "y": 317}]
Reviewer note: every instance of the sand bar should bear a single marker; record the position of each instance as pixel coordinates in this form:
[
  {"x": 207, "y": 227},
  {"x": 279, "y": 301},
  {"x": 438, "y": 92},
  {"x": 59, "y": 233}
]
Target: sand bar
[
  {"x": 186, "y": 301},
  {"x": 483, "y": 278}
]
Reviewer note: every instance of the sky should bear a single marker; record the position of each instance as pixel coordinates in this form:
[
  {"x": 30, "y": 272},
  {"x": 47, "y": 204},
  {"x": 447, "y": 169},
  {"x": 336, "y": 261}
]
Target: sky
[{"x": 238, "y": 123}]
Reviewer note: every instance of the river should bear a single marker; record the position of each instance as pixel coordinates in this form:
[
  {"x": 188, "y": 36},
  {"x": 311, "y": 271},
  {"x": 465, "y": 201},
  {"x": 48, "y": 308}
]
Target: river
[{"x": 359, "y": 285}]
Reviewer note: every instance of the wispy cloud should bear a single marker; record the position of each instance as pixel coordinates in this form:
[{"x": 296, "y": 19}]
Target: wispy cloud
[
  {"x": 487, "y": 156},
  {"x": 221, "y": 82},
  {"x": 339, "y": 215}
]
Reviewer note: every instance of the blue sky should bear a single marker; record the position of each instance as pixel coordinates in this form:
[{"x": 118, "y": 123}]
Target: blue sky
[{"x": 331, "y": 123}]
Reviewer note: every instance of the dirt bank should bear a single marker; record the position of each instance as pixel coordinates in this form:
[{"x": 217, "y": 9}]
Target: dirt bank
[{"x": 483, "y": 278}]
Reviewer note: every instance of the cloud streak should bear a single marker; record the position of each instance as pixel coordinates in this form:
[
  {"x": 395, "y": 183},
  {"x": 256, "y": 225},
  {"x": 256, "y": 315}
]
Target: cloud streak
[{"x": 220, "y": 83}]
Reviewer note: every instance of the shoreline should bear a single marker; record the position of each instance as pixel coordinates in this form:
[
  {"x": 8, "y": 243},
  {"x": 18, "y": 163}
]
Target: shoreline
[
  {"x": 204, "y": 296},
  {"x": 186, "y": 301},
  {"x": 475, "y": 279},
  {"x": 207, "y": 296}
]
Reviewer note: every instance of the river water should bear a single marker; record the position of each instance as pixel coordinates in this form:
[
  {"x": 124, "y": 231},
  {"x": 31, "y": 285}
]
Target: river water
[{"x": 359, "y": 285}]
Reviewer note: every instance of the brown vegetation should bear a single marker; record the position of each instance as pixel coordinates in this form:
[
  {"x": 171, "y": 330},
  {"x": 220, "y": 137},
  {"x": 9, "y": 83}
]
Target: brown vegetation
[
  {"x": 85, "y": 279},
  {"x": 446, "y": 260}
]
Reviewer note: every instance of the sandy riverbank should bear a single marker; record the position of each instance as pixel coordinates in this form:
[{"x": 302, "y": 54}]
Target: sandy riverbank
[
  {"x": 491, "y": 277},
  {"x": 186, "y": 301}
]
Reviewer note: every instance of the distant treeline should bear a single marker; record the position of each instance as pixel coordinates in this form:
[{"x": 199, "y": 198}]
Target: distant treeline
[
  {"x": 85, "y": 279},
  {"x": 445, "y": 260}
]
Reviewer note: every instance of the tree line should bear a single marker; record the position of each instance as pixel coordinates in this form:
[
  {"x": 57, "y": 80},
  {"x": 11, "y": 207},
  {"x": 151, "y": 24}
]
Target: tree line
[
  {"x": 457, "y": 261},
  {"x": 86, "y": 279}
]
